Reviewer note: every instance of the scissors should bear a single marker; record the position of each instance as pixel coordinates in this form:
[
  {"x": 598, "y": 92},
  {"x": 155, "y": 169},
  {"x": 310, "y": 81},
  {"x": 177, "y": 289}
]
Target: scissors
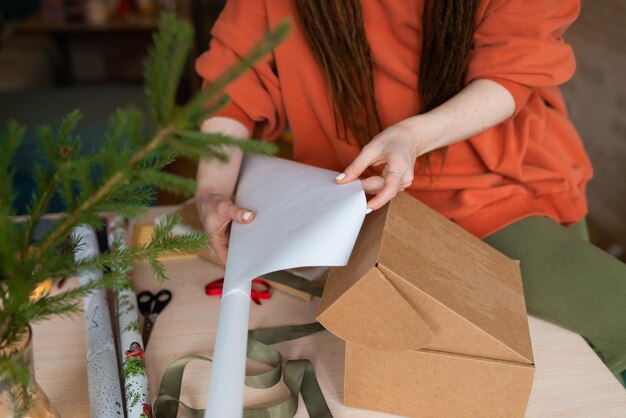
[{"x": 150, "y": 306}]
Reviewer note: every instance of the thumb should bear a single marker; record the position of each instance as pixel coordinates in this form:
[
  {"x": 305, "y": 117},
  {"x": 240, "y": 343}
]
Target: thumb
[{"x": 237, "y": 214}]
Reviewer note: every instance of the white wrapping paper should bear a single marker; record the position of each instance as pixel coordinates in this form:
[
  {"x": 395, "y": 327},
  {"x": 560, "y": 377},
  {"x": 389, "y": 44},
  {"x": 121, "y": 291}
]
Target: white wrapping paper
[
  {"x": 105, "y": 395},
  {"x": 131, "y": 343},
  {"x": 303, "y": 218}
]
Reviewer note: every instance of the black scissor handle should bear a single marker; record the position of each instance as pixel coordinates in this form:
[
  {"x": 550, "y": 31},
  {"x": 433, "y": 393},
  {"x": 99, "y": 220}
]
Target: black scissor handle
[
  {"x": 144, "y": 302},
  {"x": 150, "y": 303},
  {"x": 161, "y": 300}
]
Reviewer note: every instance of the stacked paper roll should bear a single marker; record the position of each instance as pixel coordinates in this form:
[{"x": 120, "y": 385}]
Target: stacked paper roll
[
  {"x": 131, "y": 343},
  {"x": 105, "y": 395}
]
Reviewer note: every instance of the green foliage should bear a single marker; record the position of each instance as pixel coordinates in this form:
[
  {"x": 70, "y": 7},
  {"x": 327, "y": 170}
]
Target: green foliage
[{"x": 120, "y": 177}]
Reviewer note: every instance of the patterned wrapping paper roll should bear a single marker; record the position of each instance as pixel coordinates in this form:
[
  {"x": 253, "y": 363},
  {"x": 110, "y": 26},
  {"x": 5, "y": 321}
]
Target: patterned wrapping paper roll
[
  {"x": 105, "y": 394},
  {"x": 131, "y": 343}
]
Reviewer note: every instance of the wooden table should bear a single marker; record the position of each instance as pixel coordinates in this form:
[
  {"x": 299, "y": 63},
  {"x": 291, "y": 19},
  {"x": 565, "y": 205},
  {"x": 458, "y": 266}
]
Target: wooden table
[{"x": 570, "y": 380}]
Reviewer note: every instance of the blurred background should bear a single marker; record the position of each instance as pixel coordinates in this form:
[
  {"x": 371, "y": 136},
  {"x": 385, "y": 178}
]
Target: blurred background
[{"x": 59, "y": 55}]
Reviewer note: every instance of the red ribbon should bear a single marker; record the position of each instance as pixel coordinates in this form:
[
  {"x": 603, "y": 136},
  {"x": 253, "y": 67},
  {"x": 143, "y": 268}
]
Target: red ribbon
[{"x": 262, "y": 290}]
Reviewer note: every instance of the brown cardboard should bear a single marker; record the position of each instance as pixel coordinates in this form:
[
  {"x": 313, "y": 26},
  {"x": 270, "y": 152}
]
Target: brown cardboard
[
  {"x": 431, "y": 384},
  {"x": 434, "y": 319}
]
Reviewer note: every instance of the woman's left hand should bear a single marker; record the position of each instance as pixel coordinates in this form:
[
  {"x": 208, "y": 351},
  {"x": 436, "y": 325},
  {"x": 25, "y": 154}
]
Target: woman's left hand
[{"x": 397, "y": 147}]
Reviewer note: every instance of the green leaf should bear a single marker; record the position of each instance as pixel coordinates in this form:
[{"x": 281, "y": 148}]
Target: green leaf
[{"x": 168, "y": 58}]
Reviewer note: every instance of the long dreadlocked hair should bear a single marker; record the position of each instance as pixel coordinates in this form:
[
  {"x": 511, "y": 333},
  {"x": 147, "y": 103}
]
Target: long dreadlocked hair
[{"x": 335, "y": 32}]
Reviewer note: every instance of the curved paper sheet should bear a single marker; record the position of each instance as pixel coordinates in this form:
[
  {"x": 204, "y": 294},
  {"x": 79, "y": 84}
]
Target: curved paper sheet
[{"x": 303, "y": 218}]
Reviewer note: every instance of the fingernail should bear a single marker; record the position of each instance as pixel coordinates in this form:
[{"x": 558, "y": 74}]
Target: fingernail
[
  {"x": 340, "y": 177},
  {"x": 247, "y": 215},
  {"x": 368, "y": 211}
]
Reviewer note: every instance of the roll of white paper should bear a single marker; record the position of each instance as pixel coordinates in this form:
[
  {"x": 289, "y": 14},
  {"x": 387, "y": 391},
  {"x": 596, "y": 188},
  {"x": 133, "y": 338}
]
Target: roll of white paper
[
  {"x": 105, "y": 395},
  {"x": 229, "y": 357},
  {"x": 302, "y": 219},
  {"x": 131, "y": 347}
]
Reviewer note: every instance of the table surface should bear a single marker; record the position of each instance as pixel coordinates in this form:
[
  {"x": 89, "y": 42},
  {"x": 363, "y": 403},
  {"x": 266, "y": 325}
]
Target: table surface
[{"x": 570, "y": 380}]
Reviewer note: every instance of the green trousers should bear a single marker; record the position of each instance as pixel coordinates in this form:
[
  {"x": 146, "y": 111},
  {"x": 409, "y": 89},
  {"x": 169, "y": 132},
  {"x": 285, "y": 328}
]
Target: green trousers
[{"x": 571, "y": 283}]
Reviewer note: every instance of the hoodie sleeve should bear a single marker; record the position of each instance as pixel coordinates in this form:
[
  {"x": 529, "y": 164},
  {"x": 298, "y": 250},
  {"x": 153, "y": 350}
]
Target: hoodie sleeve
[
  {"x": 519, "y": 44},
  {"x": 255, "y": 97}
]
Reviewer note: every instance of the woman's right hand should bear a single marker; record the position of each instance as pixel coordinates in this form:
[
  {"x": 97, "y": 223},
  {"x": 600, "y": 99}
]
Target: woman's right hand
[{"x": 216, "y": 214}]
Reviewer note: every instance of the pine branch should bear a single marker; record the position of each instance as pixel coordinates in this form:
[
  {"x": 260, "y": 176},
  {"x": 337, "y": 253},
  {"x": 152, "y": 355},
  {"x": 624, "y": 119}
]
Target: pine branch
[
  {"x": 208, "y": 95},
  {"x": 196, "y": 152},
  {"x": 165, "y": 226},
  {"x": 119, "y": 177},
  {"x": 158, "y": 269},
  {"x": 67, "y": 303},
  {"x": 195, "y": 113},
  {"x": 162, "y": 75},
  {"x": 40, "y": 201},
  {"x": 170, "y": 182},
  {"x": 71, "y": 219},
  {"x": 182, "y": 244},
  {"x": 199, "y": 139}
]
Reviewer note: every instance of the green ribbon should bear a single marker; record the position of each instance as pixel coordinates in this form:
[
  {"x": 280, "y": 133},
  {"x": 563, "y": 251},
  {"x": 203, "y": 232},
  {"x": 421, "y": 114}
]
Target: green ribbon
[
  {"x": 298, "y": 375},
  {"x": 297, "y": 282}
]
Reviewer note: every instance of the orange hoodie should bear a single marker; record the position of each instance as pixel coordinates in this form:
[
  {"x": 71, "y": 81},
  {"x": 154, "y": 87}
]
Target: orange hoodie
[{"x": 531, "y": 164}]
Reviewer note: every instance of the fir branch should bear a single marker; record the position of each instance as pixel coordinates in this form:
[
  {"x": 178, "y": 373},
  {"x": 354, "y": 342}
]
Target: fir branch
[
  {"x": 169, "y": 182},
  {"x": 195, "y": 113},
  {"x": 194, "y": 151},
  {"x": 47, "y": 141},
  {"x": 174, "y": 41},
  {"x": 120, "y": 176},
  {"x": 71, "y": 218},
  {"x": 67, "y": 303},
  {"x": 165, "y": 226},
  {"x": 199, "y": 139},
  {"x": 158, "y": 269},
  {"x": 188, "y": 243},
  {"x": 135, "y": 125},
  {"x": 208, "y": 95},
  {"x": 40, "y": 200},
  {"x": 120, "y": 259},
  {"x": 160, "y": 161}
]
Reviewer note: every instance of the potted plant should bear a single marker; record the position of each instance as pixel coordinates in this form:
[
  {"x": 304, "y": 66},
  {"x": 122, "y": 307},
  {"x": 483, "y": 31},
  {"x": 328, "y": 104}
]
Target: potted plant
[{"x": 119, "y": 178}]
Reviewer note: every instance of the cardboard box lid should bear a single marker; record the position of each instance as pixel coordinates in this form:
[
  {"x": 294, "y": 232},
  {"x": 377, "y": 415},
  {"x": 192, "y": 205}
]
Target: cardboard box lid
[{"x": 415, "y": 280}]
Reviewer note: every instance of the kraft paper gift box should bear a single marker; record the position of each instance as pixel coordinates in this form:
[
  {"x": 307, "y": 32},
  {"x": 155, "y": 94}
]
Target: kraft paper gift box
[{"x": 434, "y": 319}]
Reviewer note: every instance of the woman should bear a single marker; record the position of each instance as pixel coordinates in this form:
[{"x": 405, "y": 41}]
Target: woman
[{"x": 456, "y": 102}]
